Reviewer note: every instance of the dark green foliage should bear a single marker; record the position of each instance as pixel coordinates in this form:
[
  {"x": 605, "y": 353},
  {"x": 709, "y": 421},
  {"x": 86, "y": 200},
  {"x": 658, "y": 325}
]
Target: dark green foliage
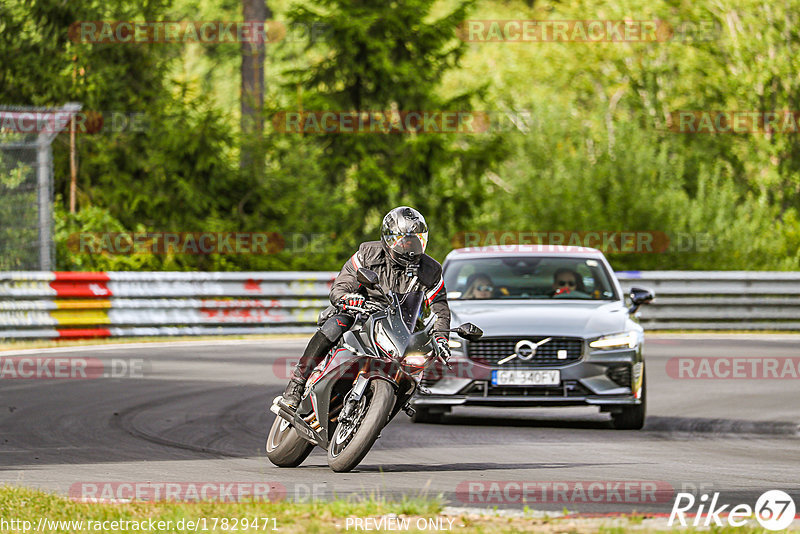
[
  {"x": 596, "y": 152},
  {"x": 382, "y": 56}
]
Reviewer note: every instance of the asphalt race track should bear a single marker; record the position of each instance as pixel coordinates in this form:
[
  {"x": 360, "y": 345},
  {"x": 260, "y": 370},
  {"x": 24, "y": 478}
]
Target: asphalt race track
[{"x": 196, "y": 412}]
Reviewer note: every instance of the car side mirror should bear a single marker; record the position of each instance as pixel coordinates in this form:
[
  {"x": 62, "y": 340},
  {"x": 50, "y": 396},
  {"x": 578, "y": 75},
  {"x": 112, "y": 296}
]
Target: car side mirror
[
  {"x": 639, "y": 296},
  {"x": 468, "y": 331},
  {"x": 367, "y": 278}
]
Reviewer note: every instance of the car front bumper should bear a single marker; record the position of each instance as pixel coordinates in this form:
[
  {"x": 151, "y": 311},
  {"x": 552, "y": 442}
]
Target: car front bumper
[
  {"x": 519, "y": 401},
  {"x": 587, "y": 382}
]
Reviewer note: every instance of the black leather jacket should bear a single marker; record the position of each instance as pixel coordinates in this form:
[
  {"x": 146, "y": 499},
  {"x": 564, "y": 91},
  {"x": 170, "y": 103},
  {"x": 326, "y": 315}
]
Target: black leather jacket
[{"x": 393, "y": 277}]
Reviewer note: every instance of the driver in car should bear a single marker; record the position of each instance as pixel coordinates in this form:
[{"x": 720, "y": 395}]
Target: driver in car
[
  {"x": 479, "y": 286},
  {"x": 566, "y": 281},
  {"x": 398, "y": 258}
]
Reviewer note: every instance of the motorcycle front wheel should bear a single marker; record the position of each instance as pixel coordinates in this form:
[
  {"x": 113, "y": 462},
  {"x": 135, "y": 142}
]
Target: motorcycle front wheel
[
  {"x": 285, "y": 447},
  {"x": 352, "y": 441}
]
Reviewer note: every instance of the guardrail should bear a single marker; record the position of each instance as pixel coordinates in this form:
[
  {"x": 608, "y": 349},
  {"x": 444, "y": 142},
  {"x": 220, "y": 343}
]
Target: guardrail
[
  {"x": 113, "y": 304},
  {"x": 719, "y": 300},
  {"x": 110, "y": 304}
]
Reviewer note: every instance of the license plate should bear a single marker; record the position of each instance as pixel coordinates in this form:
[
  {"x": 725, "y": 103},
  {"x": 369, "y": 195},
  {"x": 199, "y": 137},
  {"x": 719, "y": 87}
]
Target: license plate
[{"x": 526, "y": 378}]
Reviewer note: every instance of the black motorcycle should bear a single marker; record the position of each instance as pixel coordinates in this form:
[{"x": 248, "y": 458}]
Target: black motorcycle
[{"x": 362, "y": 383}]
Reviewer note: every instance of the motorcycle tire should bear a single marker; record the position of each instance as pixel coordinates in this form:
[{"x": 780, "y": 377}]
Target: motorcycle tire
[
  {"x": 285, "y": 447},
  {"x": 380, "y": 401}
]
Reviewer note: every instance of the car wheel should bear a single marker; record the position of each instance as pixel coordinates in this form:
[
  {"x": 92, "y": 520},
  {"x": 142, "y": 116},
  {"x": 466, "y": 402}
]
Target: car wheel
[
  {"x": 632, "y": 417},
  {"x": 424, "y": 415}
]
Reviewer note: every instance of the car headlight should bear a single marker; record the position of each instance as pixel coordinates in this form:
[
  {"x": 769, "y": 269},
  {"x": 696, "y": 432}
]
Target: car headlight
[
  {"x": 617, "y": 341},
  {"x": 384, "y": 342}
]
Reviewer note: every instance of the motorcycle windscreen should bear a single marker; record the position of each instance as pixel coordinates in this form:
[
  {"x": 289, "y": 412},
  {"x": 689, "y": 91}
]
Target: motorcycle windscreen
[{"x": 410, "y": 305}]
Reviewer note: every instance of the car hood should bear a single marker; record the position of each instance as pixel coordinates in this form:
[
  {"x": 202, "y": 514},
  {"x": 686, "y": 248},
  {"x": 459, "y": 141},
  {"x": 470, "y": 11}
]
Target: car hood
[{"x": 536, "y": 317}]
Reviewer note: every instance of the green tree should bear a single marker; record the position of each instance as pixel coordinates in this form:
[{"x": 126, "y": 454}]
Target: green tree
[{"x": 379, "y": 56}]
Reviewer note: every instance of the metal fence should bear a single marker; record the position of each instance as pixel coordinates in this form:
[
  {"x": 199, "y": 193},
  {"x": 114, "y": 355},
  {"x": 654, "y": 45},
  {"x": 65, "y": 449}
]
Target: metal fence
[
  {"x": 719, "y": 300},
  {"x": 26, "y": 184},
  {"x": 69, "y": 305}
]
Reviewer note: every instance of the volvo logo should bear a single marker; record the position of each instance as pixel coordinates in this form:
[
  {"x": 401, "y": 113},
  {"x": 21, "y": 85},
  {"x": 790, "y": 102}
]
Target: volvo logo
[{"x": 525, "y": 349}]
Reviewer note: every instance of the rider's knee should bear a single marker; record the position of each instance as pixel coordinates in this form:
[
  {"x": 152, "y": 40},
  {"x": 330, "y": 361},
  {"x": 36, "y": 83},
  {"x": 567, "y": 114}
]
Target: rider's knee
[{"x": 336, "y": 326}]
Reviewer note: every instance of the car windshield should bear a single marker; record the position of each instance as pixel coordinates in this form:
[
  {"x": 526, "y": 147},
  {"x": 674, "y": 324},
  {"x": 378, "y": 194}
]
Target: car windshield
[{"x": 527, "y": 277}]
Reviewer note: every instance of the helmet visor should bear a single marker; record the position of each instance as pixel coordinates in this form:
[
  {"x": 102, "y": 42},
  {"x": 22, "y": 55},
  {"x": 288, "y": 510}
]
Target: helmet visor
[{"x": 408, "y": 245}]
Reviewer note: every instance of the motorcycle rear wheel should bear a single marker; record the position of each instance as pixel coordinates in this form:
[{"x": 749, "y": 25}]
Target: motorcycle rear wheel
[
  {"x": 285, "y": 447},
  {"x": 349, "y": 446}
]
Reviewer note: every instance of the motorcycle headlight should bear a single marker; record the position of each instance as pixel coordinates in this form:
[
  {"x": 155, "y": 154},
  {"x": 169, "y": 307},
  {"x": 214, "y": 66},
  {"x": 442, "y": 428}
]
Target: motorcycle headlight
[
  {"x": 384, "y": 342},
  {"x": 628, "y": 339},
  {"x": 454, "y": 344},
  {"x": 415, "y": 359}
]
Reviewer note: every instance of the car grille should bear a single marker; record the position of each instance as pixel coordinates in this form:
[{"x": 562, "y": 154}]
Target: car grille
[
  {"x": 568, "y": 388},
  {"x": 490, "y": 351}
]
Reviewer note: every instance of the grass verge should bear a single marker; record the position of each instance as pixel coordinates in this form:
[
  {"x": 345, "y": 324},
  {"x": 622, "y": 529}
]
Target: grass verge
[{"x": 28, "y": 510}]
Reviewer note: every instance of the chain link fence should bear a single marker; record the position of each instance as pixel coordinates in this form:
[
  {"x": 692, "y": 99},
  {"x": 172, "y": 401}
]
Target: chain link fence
[{"x": 26, "y": 184}]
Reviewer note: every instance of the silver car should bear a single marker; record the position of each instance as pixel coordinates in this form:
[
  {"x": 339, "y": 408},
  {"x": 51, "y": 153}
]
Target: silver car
[{"x": 557, "y": 332}]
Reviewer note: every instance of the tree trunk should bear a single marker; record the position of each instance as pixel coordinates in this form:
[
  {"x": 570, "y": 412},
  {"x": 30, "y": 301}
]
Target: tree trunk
[{"x": 252, "y": 88}]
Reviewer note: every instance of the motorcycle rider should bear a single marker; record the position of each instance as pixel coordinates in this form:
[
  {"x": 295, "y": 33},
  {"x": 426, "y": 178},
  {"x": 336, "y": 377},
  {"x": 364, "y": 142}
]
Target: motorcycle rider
[{"x": 397, "y": 258}]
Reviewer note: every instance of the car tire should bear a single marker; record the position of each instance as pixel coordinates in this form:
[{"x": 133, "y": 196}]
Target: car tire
[
  {"x": 632, "y": 417},
  {"x": 423, "y": 415}
]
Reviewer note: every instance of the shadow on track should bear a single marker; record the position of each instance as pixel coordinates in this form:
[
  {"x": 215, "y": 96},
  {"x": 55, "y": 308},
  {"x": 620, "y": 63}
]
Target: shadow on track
[
  {"x": 690, "y": 425},
  {"x": 473, "y": 466}
]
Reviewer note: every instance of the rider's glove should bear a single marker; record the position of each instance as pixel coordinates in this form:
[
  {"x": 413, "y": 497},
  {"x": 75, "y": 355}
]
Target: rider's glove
[
  {"x": 444, "y": 347},
  {"x": 350, "y": 300}
]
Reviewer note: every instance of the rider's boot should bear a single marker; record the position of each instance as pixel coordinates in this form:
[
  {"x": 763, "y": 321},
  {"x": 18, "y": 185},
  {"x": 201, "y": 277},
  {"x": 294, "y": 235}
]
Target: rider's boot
[
  {"x": 294, "y": 392},
  {"x": 316, "y": 349}
]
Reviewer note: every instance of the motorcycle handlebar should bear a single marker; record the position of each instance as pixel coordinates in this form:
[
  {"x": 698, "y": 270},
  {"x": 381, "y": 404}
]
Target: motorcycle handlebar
[{"x": 368, "y": 308}]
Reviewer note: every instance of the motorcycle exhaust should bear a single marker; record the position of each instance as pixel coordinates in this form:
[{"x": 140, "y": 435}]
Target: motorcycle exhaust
[
  {"x": 311, "y": 420},
  {"x": 280, "y": 411}
]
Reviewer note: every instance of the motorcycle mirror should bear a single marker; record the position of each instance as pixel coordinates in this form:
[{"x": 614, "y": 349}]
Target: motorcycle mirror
[
  {"x": 468, "y": 331},
  {"x": 367, "y": 278}
]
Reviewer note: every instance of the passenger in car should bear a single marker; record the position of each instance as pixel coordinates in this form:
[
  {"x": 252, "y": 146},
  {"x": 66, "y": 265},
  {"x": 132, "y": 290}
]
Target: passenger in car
[
  {"x": 566, "y": 281},
  {"x": 479, "y": 286}
]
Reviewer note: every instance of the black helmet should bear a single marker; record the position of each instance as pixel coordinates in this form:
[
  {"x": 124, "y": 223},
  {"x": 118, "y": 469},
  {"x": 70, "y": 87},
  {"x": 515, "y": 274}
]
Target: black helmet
[{"x": 404, "y": 235}]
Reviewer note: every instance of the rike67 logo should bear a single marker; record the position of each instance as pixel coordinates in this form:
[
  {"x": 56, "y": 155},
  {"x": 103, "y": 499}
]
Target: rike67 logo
[{"x": 774, "y": 510}]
